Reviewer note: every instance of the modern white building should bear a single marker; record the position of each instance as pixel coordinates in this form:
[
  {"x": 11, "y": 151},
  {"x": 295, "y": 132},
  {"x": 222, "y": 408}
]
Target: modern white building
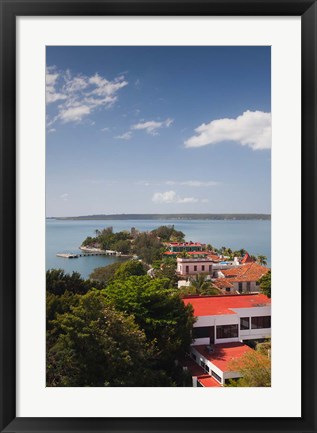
[
  {"x": 223, "y": 324},
  {"x": 230, "y": 318}
]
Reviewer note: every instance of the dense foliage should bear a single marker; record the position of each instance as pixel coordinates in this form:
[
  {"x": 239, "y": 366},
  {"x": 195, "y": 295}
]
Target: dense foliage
[
  {"x": 265, "y": 284},
  {"x": 130, "y": 333},
  {"x": 148, "y": 247},
  {"x": 106, "y": 239},
  {"x": 168, "y": 233},
  {"x": 255, "y": 368}
]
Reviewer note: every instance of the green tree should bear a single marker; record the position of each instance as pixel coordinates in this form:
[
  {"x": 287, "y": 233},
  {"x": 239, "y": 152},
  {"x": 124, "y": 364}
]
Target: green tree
[
  {"x": 255, "y": 369},
  {"x": 159, "y": 311},
  {"x": 199, "y": 286},
  {"x": 98, "y": 346},
  {"x": 148, "y": 247},
  {"x": 57, "y": 282},
  {"x": 105, "y": 274},
  {"x": 130, "y": 268},
  {"x": 167, "y": 270},
  {"x": 168, "y": 233},
  {"x": 183, "y": 255},
  {"x": 261, "y": 260},
  {"x": 265, "y": 284},
  {"x": 122, "y": 246}
]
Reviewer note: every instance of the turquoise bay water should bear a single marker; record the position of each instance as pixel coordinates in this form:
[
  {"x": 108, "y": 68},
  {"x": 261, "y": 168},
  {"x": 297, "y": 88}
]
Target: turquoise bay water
[{"x": 67, "y": 236}]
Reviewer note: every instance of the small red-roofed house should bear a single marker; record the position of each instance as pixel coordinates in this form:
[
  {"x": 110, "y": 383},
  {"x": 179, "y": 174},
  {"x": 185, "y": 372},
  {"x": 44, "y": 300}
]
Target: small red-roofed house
[{"x": 244, "y": 278}]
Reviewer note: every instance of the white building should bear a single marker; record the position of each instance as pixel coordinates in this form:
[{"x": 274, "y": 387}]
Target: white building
[
  {"x": 230, "y": 318},
  {"x": 223, "y": 324},
  {"x": 194, "y": 266}
]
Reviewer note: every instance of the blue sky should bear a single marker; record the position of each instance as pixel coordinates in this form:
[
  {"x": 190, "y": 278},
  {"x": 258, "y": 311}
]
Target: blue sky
[{"x": 158, "y": 130}]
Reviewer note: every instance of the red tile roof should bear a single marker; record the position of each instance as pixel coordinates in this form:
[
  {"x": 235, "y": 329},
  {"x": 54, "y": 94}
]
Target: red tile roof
[
  {"x": 214, "y": 257},
  {"x": 248, "y": 272},
  {"x": 247, "y": 259},
  {"x": 222, "y": 283},
  {"x": 224, "y": 354},
  {"x": 223, "y": 304}
]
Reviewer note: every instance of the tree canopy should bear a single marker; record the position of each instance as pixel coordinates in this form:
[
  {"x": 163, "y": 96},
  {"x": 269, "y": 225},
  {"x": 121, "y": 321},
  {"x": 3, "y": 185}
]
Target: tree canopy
[
  {"x": 130, "y": 333},
  {"x": 255, "y": 369},
  {"x": 98, "y": 346},
  {"x": 265, "y": 284},
  {"x": 158, "y": 310}
]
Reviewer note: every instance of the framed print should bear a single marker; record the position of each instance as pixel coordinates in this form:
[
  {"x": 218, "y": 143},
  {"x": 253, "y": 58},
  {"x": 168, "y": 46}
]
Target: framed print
[{"x": 157, "y": 161}]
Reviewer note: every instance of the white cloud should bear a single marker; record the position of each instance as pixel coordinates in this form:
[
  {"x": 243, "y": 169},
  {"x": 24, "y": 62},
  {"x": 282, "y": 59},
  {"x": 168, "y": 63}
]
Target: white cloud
[
  {"x": 74, "y": 114},
  {"x": 64, "y": 197},
  {"x": 252, "y": 128},
  {"x": 125, "y": 136},
  {"x": 104, "y": 129},
  {"x": 51, "y": 130},
  {"x": 171, "y": 197},
  {"x": 80, "y": 95},
  {"x": 152, "y": 126},
  {"x": 194, "y": 183}
]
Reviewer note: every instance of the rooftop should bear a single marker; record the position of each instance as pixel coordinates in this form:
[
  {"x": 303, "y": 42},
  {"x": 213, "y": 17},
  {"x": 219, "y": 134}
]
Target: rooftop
[
  {"x": 247, "y": 272},
  {"x": 208, "y": 381},
  {"x": 224, "y": 354},
  {"x": 224, "y": 304}
]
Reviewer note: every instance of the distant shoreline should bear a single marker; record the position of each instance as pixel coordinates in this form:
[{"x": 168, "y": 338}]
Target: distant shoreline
[{"x": 198, "y": 216}]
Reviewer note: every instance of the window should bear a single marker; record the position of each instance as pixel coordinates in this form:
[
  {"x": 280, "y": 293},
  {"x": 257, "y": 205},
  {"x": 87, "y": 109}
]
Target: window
[
  {"x": 244, "y": 323},
  {"x": 260, "y": 322},
  {"x": 215, "y": 375},
  {"x": 202, "y": 332},
  {"x": 227, "y": 331},
  {"x": 187, "y": 269},
  {"x": 209, "y": 268},
  {"x": 195, "y": 268},
  {"x": 206, "y": 368},
  {"x": 227, "y": 289},
  {"x": 240, "y": 287},
  {"x": 202, "y": 267},
  {"x": 248, "y": 286}
]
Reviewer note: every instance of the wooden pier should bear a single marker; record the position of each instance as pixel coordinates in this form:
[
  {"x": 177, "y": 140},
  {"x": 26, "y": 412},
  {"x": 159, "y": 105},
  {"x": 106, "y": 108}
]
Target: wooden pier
[{"x": 75, "y": 256}]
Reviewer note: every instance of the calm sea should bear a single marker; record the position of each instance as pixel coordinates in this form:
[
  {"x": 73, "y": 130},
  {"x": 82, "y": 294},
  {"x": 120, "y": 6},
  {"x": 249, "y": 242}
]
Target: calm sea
[{"x": 67, "y": 236}]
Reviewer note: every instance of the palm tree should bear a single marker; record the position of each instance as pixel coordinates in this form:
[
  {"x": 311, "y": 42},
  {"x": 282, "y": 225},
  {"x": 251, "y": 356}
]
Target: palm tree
[
  {"x": 262, "y": 260},
  {"x": 199, "y": 284},
  {"x": 183, "y": 255}
]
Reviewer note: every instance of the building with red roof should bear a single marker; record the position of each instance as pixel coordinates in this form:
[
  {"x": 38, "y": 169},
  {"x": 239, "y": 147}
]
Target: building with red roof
[
  {"x": 244, "y": 278},
  {"x": 230, "y": 318},
  {"x": 247, "y": 259},
  {"x": 218, "y": 361},
  {"x": 223, "y": 325}
]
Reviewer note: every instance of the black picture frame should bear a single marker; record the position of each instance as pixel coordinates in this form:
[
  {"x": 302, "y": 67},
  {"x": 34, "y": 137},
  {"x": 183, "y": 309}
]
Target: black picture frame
[{"x": 10, "y": 9}]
